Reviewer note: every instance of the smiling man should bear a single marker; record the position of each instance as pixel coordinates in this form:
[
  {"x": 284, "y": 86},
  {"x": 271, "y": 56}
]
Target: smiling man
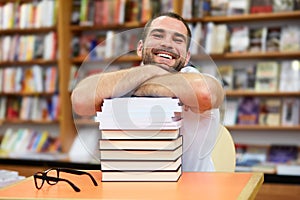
[{"x": 164, "y": 49}]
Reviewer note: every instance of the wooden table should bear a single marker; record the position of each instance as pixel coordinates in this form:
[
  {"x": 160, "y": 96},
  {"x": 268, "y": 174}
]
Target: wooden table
[{"x": 191, "y": 185}]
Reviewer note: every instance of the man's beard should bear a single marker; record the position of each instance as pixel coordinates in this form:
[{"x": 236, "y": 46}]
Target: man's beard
[{"x": 148, "y": 58}]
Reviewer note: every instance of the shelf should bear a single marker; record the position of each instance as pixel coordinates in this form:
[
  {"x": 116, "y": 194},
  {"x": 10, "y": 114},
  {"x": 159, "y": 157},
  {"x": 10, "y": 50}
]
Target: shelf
[
  {"x": 251, "y": 55},
  {"x": 27, "y": 94},
  {"x": 251, "y": 17},
  {"x": 29, "y": 62},
  {"x": 27, "y": 30},
  {"x": 78, "y": 28},
  {"x": 36, "y": 122},
  {"x": 260, "y": 127},
  {"x": 236, "y": 93},
  {"x": 127, "y": 58}
]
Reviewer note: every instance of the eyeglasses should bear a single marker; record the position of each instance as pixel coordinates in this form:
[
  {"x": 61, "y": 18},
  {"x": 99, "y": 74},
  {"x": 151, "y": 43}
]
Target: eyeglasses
[{"x": 51, "y": 176}]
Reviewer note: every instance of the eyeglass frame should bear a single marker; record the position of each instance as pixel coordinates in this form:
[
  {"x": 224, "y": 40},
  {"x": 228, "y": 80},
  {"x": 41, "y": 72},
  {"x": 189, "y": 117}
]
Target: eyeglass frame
[{"x": 54, "y": 180}]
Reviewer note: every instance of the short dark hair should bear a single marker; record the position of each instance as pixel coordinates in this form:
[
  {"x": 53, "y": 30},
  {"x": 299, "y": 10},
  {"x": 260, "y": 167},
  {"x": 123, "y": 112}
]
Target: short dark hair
[{"x": 172, "y": 15}]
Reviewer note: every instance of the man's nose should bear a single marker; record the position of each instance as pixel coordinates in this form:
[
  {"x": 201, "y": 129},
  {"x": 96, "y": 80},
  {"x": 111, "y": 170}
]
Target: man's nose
[{"x": 167, "y": 42}]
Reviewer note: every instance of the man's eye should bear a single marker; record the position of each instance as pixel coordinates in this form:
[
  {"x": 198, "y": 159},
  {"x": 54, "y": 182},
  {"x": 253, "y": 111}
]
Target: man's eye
[
  {"x": 178, "y": 40},
  {"x": 157, "y": 35}
]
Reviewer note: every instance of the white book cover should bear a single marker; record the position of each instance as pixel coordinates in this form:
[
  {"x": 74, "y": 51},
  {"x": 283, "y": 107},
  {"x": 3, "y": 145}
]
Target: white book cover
[{"x": 290, "y": 76}]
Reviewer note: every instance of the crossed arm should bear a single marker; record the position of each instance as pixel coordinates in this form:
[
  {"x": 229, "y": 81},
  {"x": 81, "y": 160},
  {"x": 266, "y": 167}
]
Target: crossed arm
[{"x": 196, "y": 91}]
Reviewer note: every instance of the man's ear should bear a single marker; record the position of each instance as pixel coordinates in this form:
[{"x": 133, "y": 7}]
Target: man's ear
[
  {"x": 139, "y": 48},
  {"x": 187, "y": 59}
]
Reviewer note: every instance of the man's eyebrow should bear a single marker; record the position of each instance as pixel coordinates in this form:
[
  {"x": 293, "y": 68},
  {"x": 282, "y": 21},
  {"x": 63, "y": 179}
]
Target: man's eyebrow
[{"x": 160, "y": 30}]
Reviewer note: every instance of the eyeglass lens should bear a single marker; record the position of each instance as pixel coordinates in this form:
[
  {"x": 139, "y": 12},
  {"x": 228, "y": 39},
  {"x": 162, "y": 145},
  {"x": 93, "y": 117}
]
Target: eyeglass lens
[{"x": 52, "y": 173}]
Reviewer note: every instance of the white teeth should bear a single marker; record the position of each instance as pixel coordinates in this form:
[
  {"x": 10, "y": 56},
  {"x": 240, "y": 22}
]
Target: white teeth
[{"x": 165, "y": 55}]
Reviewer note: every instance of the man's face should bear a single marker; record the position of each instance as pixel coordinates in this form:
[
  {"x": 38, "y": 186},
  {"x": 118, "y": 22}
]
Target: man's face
[{"x": 166, "y": 44}]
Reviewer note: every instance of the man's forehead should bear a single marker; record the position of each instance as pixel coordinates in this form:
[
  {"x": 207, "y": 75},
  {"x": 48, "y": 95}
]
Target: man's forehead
[{"x": 169, "y": 24}]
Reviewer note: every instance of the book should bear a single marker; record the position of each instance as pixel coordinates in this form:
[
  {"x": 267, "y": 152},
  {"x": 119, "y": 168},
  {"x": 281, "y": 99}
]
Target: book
[
  {"x": 226, "y": 72},
  {"x": 257, "y": 39},
  {"x": 123, "y": 165},
  {"x": 267, "y": 73},
  {"x": 259, "y": 6},
  {"x": 167, "y": 155},
  {"x": 238, "y": 7},
  {"x": 239, "y": 40},
  {"x": 289, "y": 79},
  {"x": 283, "y": 5},
  {"x": 169, "y": 175},
  {"x": 140, "y": 134},
  {"x": 146, "y": 144},
  {"x": 290, "y": 38},
  {"x": 290, "y": 111},
  {"x": 270, "y": 112},
  {"x": 290, "y": 169},
  {"x": 273, "y": 39},
  {"x": 231, "y": 109},
  {"x": 280, "y": 153},
  {"x": 248, "y": 111}
]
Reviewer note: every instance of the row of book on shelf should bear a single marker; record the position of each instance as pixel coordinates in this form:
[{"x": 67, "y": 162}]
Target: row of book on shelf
[
  {"x": 24, "y": 140},
  {"x": 281, "y": 159},
  {"x": 103, "y": 45},
  {"x": 213, "y": 38},
  {"x": 270, "y": 76},
  {"x": 32, "y": 79},
  {"x": 140, "y": 139},
  {"x": 192, "y": 9},
  {"x": 107, "y": 12},
  {"x": 30, "y": 108},
  {"x": 28, "y": 47},
  {"x": 221, "y": 38},
  {"x": 28, "y": 14},
  {"x": 266, "y": 111}
]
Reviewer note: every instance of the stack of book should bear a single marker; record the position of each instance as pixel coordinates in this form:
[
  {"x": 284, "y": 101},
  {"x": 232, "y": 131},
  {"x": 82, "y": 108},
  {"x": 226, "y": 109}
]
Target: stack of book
[{"x": 140, "y": 139}]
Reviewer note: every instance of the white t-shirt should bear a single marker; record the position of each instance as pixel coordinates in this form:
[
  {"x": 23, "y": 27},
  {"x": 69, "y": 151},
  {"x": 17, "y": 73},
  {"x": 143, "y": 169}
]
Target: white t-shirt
[{"x": 200, "y": 132}]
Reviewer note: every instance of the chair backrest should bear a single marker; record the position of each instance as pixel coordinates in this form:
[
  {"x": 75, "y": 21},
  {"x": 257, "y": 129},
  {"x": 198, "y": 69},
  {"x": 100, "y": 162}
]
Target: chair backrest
[{"x": 223, "y": 154}]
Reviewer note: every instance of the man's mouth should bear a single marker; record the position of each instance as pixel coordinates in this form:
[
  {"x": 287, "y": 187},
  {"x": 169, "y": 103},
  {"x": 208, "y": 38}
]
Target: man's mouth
[{"x": 165, "y": 54}]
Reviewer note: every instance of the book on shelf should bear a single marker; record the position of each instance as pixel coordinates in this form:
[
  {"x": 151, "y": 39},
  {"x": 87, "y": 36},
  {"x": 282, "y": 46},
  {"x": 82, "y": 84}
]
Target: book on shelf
[
  {"x": 257, "y": 39},
  {"x": 219, "y": 8},
  {"x": 273, "y": 39},
  {"x": 283, "y": 153},
  {"x": 290, "y": 111},
  {"x": 270, "y": 112},
  {"x": 290, "y": 38},
  {"x": 248, "y": 111},
  {"x": 231, "y": 109},
  {"x": 289, "y": 79},
  {"x": 144, "y": 144},
  {"x": 250, "y": 156},
  {"x": 259, "y": 6},
  {"x": 136, "y": 165},
  {"x": 239, "y": 39},
  {"x": 267, "y": 76},
  {"x": 290, "y": 169},
  {"x": 164, "y": 175},
  {"x": 226, "y": 72},
  {"x": 238, "y": 7},
  {"x": 283, "y": 5}
]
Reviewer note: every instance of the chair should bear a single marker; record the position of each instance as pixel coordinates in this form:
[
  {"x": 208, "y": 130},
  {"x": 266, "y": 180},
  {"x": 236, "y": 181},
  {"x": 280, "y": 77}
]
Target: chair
[{"x": 223, "y": 154}]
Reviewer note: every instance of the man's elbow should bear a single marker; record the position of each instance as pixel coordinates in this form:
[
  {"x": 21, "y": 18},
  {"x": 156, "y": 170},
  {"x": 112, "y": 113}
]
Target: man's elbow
[{"x": 79, "y": 104}]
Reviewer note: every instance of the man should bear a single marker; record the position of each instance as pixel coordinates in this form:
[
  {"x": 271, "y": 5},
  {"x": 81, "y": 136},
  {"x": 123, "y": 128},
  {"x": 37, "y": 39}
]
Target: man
[{"x": 164, "y": 52}]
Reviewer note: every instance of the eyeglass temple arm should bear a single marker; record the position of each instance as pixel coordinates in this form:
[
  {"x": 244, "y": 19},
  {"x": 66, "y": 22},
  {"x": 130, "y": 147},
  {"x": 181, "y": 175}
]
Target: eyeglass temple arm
[
  {"x": 50, "y": 178},
  {"x": 77, "y": 172}
]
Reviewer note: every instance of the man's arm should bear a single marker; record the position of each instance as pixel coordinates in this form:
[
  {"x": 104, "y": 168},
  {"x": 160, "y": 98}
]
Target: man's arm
[
  {"x": 88, "y": 95},
  {"x": 197, "y": 91}
]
